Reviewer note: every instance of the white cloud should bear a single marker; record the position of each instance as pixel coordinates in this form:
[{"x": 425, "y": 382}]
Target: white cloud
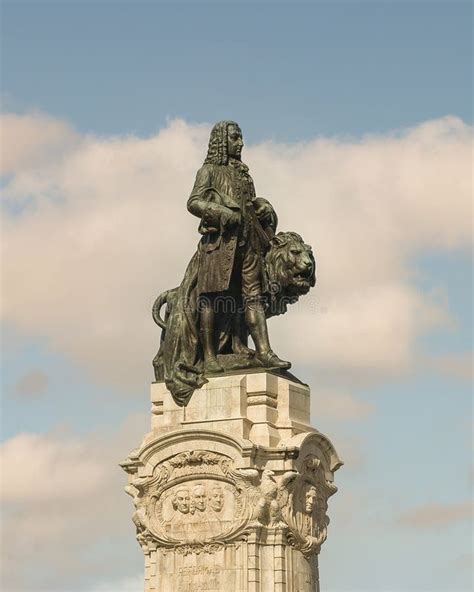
[
  {"x": 369, "y": 329},
  {"x": 46, "y": 468},
  {"x": 436, "y": 515},
  {"x": 32, "y": 141},
  {"x": 65, "y": 509},
  {"x": 104, "y": 229},
  {"x": 336, "y": 405}
]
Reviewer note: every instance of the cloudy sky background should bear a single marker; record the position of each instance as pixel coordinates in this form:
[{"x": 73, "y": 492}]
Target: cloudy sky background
[{"x": 357, "y": 121}]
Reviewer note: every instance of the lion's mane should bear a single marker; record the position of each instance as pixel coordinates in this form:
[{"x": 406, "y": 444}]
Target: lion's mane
[{"x": 291, "y": 271}]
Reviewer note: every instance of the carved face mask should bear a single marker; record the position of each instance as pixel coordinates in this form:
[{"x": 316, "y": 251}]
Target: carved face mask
[
  {"x": 199, "y": 498},
  {"x": 216, "y": 499},
  {"x": 182, "y": 501},
  {"x": 310, "y": 500}
]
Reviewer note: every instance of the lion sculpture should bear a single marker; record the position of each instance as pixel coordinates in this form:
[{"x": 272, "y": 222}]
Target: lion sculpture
[{"x": 290, "y": 272}]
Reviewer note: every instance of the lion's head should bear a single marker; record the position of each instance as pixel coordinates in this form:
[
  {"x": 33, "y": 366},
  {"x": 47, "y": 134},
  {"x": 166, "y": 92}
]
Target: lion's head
[{"x": 291, "y": 271}]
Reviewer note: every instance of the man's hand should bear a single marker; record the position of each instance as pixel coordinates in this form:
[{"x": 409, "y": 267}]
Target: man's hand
[
  {"x": 263, "y": 209},
  {"x": 229, "y": 218}
]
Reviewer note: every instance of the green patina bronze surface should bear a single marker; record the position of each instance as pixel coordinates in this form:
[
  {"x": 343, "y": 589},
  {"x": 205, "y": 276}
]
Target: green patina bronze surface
[{"x": 242, "y": 273}]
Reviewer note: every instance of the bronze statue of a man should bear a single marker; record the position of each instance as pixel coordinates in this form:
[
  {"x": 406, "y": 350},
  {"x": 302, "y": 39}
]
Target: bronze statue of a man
[
  {"x": 241, "y": 274},
  {"x": 237, "y": 227}
]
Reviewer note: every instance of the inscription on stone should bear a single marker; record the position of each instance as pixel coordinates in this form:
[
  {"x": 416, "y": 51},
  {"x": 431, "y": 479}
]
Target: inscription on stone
[{"x": 200, "y": 578}]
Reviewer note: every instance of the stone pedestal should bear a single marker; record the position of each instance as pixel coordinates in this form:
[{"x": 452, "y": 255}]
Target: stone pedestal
[{"x": 231, "y": 491}]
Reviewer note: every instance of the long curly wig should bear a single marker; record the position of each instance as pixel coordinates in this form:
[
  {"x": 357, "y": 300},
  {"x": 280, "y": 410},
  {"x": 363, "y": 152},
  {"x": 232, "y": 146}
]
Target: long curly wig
[{"x": 217, "y": 151}]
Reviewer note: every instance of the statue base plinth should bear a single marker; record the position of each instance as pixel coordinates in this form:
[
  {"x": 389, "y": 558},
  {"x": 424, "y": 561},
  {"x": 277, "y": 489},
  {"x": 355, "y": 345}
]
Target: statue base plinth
[
  {"x": 231, "y": 491},
  {"x": 265, "y": 408}
]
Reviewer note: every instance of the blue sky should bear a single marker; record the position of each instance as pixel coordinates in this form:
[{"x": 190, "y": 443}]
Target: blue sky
[
  {"x": 289, "y": 70},
  {"x": 91, "y": 86}
]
